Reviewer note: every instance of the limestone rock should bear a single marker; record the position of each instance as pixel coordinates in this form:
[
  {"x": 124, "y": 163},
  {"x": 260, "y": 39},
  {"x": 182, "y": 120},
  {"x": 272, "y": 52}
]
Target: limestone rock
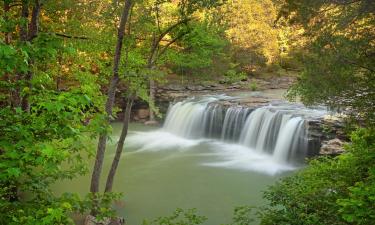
[{"x": 332, "y": 147}]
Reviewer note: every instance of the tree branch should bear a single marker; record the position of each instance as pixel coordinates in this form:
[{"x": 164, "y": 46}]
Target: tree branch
[
  {"x": 70, "y": 36},
  {"x": 169, "y": 29},
  {"x": 165, "y": 48}
]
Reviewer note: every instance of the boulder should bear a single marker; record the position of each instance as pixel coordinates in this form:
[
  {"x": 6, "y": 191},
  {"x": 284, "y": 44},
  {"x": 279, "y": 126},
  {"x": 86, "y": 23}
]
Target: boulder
[
  {"x": 332, "y": 147},
  {"x": 142, "y": 114}
]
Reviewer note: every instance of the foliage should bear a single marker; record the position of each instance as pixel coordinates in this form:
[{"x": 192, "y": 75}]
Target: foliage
[
  {"x": 329, "y": 190},
  {"x": 231, "y": 76},
  {"x": 243, "y": 215},
  {"x": 253, "y": 86},
  {"x": 197, "y": 51},
  {"x": 179, "y": 217},
  {"x": 47, "y": 141},
  {"x": 338, "y": 62},
  {"x": 37, "y": 149},
  {"x": 251, "y": 32}
]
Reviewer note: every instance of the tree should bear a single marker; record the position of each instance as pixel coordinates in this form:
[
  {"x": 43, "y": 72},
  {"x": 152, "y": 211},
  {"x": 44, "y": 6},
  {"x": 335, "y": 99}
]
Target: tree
[
  {"x": 167, "y": 22},
  {"x": 251, "y": 31},
  {"x": 338, "y": 58},
  {"x": 328, "y": 191},
  {"x": 44, "y": 135},
  {"x": 95, "y": 179},
  {"x": 338, "y": 70}
]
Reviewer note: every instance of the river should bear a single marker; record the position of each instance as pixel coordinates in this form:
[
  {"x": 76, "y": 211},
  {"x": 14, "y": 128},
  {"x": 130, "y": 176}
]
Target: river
[{"x": 182, "y": 166}]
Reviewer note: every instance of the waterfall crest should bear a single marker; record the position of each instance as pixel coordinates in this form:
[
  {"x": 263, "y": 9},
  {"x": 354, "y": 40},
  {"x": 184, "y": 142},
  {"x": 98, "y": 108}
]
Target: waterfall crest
[{"x": 279, "y": 131}]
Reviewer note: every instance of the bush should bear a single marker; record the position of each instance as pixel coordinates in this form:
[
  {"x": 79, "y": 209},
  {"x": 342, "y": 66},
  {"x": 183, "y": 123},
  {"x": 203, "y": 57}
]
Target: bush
[
  {"x": 231, "y": 76},
  {"x": 330, "y": 190},
  {"x": 38, "y": 149},
  {"x": 253, "y": 86},
  {"x": 179, "y": 217}
]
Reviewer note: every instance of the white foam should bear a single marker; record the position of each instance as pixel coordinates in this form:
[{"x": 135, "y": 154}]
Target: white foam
[
  {"x": 224, "y": 155},
  {"x": 159, "y": 140},
  {"x": 239, "y": 157}
]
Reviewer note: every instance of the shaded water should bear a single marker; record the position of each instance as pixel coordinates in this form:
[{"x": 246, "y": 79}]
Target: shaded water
[
  {"x": 206, "y": 175},
  {"x": 205, "y": 157}
]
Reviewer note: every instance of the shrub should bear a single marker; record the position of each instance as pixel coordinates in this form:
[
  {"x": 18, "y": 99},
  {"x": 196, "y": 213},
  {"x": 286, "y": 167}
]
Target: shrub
[{"x": 330, "y": 190}]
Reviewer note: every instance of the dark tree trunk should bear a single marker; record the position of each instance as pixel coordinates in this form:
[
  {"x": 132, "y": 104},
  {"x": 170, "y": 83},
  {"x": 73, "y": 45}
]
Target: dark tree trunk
[
  {"x": 95, "y": 178},
  {"x": 120, "y": 144},
  {"x": 32, "y": 33},
  {"x": 7, "y": 35},
  {"x": 25, "y": 19},
  {"x": 34, "y": 23},
  {"x": 16, "y": 95}
]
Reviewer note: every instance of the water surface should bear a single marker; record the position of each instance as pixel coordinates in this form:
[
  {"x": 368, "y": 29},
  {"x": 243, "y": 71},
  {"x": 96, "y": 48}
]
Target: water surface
[{"x": 160, "y": 172}]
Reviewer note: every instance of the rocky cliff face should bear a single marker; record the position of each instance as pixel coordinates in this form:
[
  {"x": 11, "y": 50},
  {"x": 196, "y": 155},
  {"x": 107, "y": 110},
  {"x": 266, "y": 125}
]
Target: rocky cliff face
[{"x": 328, "y": 134}]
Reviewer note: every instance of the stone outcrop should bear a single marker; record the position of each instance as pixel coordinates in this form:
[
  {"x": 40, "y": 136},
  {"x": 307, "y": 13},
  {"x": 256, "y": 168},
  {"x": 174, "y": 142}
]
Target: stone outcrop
[
  {"x": 328, "y": 136},
  {"x": 332, "y": 147}
]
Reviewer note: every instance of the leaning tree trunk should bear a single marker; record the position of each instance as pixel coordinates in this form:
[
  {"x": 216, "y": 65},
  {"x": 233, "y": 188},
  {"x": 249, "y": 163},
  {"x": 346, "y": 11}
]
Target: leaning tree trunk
[
  {"x": 120, "y": 144},
  {"x": 95, "y": 178}
]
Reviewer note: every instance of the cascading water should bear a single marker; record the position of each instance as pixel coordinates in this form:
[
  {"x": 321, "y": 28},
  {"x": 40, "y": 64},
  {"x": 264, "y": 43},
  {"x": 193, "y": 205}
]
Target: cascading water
[
  {"x": 234, "y": 120},
  {"x": 279, "y": 131}
]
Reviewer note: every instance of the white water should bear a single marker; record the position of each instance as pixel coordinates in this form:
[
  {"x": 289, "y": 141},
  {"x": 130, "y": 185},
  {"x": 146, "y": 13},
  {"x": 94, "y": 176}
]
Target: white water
[{"x": 268, "y": 139}]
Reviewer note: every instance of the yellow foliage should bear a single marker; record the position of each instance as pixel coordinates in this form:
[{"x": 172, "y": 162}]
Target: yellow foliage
[{"x": 251, "y": 26}]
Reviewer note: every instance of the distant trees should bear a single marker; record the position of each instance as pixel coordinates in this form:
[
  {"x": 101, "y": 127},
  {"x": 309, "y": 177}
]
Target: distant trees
[{"x": 252, "y": 33}]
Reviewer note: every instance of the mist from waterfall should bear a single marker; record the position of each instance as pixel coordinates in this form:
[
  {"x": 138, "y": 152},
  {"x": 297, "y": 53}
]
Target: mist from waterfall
[
  {"x": 267, "y": 139},
  {"x": 277, "y": 131}
]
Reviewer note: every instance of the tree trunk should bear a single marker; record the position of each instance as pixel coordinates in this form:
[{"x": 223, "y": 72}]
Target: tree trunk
[
  {"x": 152, "y": 99},
  {"x": 120, "y": 144},
  {"x": 34, "y": 23},
  {"x": 25, "y": 19},
  {"x": 7, "y": 35},
  {"x": 150, "y": 66},
  {"x": 32, "y": 33},
  {"x": 16, "y": 95},
  {"x": 155, "y": 55},
  {"x": 95, "y": 178}
]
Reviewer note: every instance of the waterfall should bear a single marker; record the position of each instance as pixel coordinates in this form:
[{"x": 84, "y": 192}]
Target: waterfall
[
  {"x": 184, "y": 119},
  {"x": 277, "y": 131},
  {"x": 233, "y": 122},
  {"x": 288, "y": 142}
]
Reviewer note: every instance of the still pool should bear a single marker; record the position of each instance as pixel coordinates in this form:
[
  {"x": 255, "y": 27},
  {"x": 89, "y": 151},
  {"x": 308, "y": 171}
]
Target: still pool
[{"x": 160, "y": 172}]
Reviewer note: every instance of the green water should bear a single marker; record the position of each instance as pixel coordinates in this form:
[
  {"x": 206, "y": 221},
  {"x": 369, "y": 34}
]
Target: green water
[{"x": 155, "y": 183}]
